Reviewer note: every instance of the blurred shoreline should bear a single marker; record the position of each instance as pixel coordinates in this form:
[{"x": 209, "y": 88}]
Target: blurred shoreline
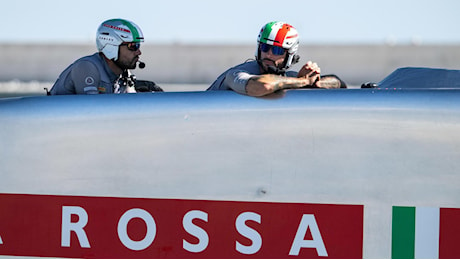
[
  {"x": 16, "y": 88},
  {"x": 186, "y": 65}
]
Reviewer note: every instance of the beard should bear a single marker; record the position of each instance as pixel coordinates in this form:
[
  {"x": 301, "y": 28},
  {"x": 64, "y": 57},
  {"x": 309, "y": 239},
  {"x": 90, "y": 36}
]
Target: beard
[
  {"x": 269, "y": 66},
  {"x": 127, "y": 65},
  {"x": 270, "y": 63}
]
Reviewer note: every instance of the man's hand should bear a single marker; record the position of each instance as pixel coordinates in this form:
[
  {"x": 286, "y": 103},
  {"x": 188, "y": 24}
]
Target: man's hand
[
  {"x": 310, "y": 71},
  {"x": 328, "y": 82}
]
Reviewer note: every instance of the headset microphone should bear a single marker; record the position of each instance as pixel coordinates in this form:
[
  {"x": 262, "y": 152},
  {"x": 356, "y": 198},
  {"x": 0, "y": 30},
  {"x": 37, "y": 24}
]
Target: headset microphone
[{"x": 141, "y": 65}]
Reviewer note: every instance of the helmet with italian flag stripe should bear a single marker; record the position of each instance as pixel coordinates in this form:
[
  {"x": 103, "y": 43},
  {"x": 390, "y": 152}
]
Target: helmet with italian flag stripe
[
  {"x": 282, "y": 35},
  {"x": 113, "y": 32}
]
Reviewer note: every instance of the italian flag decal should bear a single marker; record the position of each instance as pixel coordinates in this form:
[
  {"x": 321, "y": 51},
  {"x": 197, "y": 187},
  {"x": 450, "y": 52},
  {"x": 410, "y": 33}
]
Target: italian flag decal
[{"x": 425, "y": 232}]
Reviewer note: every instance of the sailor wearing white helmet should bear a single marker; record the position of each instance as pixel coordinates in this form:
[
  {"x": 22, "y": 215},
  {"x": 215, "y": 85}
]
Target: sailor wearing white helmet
[
  {"x": 107, "y": 71},
  {"x": 277, "y": 46}
]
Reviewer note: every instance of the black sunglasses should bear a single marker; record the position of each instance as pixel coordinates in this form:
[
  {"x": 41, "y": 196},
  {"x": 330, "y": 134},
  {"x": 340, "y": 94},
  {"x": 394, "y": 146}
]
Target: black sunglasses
[
  {"x": 132, "y": 46},
  {"x": 276, "y": 50}
]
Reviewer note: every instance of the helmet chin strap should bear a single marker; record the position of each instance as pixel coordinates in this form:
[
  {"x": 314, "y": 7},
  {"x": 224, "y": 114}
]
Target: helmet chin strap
[
  {"x": 119, "y": 64},
  {"x": 271, "y": 69}
]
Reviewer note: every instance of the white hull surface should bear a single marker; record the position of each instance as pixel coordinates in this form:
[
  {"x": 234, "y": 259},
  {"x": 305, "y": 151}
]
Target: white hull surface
[{"x": 328, "y": 167}]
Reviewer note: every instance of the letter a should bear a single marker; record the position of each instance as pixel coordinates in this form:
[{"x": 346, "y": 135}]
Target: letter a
[
  {"x": 77, "y": 227},
  {"x": 308, "y": 220}
]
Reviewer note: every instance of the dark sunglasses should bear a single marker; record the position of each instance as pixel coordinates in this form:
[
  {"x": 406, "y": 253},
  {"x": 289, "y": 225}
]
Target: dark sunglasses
[
  {"x": 132, "y": 46},
  {"x": 275, "y": 49}
]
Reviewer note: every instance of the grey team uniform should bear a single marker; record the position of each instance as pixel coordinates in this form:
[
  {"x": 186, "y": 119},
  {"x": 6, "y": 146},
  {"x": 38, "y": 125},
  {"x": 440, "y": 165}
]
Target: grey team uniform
[
  {"x": 88, "y": 75},
  {"x": 236, "y": 78}
]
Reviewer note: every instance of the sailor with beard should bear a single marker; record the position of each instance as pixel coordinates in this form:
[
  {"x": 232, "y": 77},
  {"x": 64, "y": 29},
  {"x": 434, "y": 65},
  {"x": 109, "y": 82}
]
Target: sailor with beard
[
  {"x": 118, "y": 43},
  {"x": 278, "y": 43}
]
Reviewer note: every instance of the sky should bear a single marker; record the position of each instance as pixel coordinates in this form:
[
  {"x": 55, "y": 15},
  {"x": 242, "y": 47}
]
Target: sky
[{"x": 236, "y": 21}]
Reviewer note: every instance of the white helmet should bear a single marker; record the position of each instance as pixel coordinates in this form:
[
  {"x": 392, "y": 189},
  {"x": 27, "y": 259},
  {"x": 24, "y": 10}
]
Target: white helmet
[
  {"x": 282, "y": 35},
  {"x": 114, "y": 32}
]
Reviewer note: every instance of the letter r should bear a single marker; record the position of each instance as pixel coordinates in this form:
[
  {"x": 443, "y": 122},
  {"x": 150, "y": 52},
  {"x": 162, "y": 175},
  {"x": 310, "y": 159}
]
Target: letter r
[{"x": 77, "y": 227}]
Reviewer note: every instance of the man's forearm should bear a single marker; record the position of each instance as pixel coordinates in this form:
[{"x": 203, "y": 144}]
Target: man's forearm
[{"x": 269, "y": 83}]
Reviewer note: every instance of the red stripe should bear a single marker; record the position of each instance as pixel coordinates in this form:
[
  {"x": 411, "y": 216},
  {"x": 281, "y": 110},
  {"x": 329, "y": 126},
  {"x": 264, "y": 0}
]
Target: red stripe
[
  {"x": 292, "y": 36},
  {"x": 31, "y": 225},
  {"x": 116, "y": 28},
  {"x": 449, "y": 233},
  {"x": 281, "y": 35}
]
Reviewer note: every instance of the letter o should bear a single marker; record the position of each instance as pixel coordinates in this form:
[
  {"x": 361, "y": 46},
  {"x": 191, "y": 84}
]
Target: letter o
[{"x": 123, "y": 229}]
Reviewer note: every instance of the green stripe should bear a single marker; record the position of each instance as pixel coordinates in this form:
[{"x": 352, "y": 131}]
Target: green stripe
[
  {"x": 133, "y": 30},
  {"x": 403, "y": 233},
  {"x": 135, "y": 33},
  {"x": 267, "y": 31}
]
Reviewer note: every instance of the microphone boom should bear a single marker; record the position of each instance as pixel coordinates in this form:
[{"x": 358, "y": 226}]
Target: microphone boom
[{"x": 141, "y": 65}]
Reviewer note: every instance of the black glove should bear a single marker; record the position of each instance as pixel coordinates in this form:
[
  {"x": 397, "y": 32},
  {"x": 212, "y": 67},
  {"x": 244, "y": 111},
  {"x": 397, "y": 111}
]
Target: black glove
[{"x": 147, "y": 86}]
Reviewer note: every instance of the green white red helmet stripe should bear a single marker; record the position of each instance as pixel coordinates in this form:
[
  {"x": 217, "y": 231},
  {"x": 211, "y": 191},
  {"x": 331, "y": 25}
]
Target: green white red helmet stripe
[
  {"x": 269, "y": 33},
  {"x": 274, "y": 33},
  {"x": 131, "y": 28},
  {"x": 282, "y": 35}
]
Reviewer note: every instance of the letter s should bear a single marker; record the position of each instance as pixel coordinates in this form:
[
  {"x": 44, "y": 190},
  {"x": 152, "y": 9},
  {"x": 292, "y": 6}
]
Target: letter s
[
  {"x": 250, "y": 233},
  {"x": 195, "y": 231}
]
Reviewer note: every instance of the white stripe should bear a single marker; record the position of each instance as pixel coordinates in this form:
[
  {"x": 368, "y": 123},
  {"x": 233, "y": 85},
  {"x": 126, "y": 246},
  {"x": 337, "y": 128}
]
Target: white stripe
[
  {"x": 1, "y": 241},
  {"x": 426, "y": 232},
  {"x": 274, "y": 32}
]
